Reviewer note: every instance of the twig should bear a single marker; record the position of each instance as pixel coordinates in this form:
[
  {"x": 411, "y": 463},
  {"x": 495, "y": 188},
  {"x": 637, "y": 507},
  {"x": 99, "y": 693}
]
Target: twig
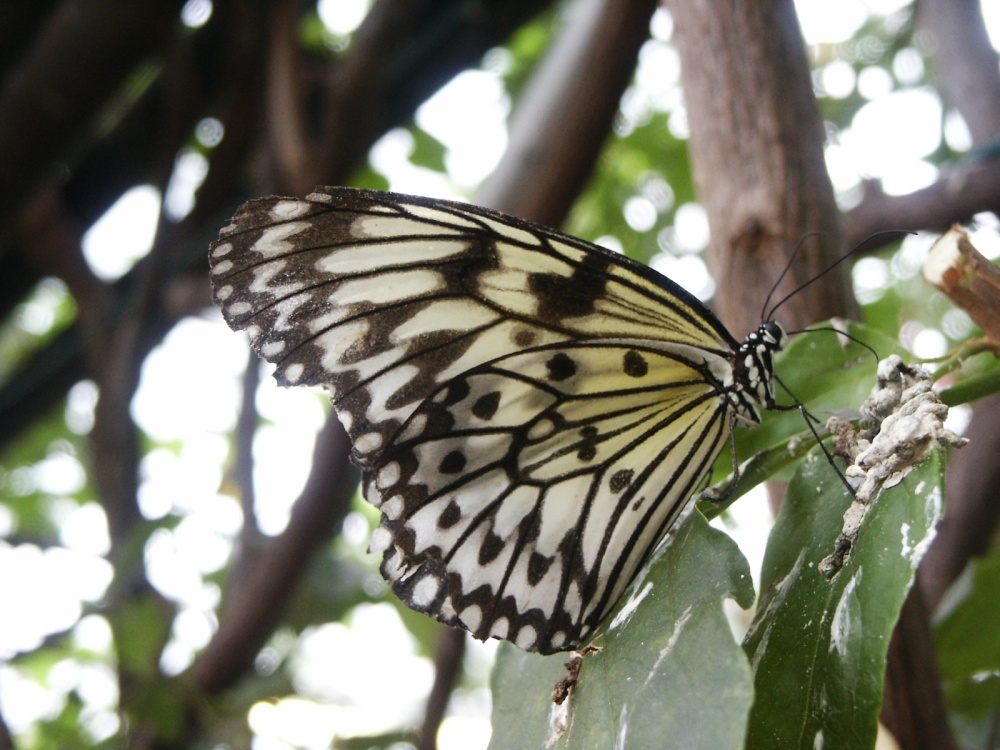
[
  {"x": 6, "y": 738},
  {"x": 973, "y": 283},
  {"x": 448, "y": 667},
  {"x": 255, "y": 604}
]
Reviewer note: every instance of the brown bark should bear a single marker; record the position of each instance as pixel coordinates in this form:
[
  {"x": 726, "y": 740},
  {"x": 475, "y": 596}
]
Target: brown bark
[
  {"x": 962, "y": 191},
  {"x": 257, "y": 601},
  {"x": 447, "y": 670},
  {"x": 913, "y": 709},
  {"x": 757, "y": 151},
  {"x": 964, "y": 62}
]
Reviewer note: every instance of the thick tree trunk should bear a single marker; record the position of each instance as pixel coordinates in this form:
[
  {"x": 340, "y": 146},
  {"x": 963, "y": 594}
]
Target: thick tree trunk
[{"x": 757, "y": 150}]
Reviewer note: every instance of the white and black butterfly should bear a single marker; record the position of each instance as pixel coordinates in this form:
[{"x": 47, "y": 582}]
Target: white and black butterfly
[{"x": 531, "y": 412}]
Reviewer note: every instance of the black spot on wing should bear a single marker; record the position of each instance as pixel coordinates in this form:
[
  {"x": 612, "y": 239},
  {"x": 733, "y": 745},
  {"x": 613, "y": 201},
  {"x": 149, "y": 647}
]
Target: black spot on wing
[
  {"x": 570, "y": 296},
  {"x": 588, "y": 444},
  {"x": 451, "y": 515},
  {"x": 486, "y": 406},
  {"x": 453, "y": 463},
  {"x": 524, "y": 337},
  {"x": 560, "y": 366},
  {"x": 538, "y": 566},
  {"x": 620, "y": 480},
  {"x": 457, "y": 390},
  {"x": 491, "y": 547},
  {"x": 634, "y": 364}
]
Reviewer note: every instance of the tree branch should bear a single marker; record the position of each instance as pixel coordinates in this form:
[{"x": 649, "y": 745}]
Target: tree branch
[
  {"x": 967, "y": 189},
  {"x": 447, "y": 670},
  {"x": 401, "y": 54},
  {"x": 566, "y": 113},
  {"x": 255, "y": 603},
  {"x": 965, "y": 62},
  {"x": 80, "y": 59}
]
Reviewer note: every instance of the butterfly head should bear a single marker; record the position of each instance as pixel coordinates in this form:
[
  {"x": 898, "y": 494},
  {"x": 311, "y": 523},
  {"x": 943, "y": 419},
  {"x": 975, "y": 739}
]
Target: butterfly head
[{"x": 755, "y": 370}]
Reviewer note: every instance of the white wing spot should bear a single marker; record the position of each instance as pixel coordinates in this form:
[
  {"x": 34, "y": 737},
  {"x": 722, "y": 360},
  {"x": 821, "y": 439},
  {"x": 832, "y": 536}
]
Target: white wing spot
[
  {"x": 445, "y": 315},
  {"x": 319, "y": 198},
  {"x": 338, "y": 340},
  {"x": 388, "y": 287},
  {"x": 393, "y": 565},
  {"x": 472, "y": 617},
  {"x": 274, "y": 240},
  {"x": 224, "y": 292},
  {"x": 388, "y": 475},
  {"x": 447, "y": 609},
  {"x": 393, "y": 225},
  {"x": 293, "y": 372},
  {"x": 526, "y": 637},
  {"x": 369, "y": 442},
  {"x": 271, "y": 348},
  {"x": 393, "y": 507},
  {"x": 541, "y": 429},
  {"x": 283, "y": 210},
  {"x": 501, "y": 628},
  {"x": 369, "y": 257},
  {"x": 240, "y": 308},
  {"x": 222, "y": 249},
  {"x": 515, "y": 234},
  {"x": 413, "y": 429},
  {"x": 425, "y": 590},
  {"x": 380, "y": 541},
  {"x": 223, "y": 266}
]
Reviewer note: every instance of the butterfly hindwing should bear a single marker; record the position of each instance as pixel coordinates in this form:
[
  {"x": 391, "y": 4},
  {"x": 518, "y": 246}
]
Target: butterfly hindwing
[{"x": 520, "y": 498}]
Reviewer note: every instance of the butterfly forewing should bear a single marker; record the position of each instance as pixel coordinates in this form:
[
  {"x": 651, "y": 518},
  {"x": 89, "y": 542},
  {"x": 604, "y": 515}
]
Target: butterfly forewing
[
  {"x": 382, "y": 298},
  {"x": 531, "y": 411}
]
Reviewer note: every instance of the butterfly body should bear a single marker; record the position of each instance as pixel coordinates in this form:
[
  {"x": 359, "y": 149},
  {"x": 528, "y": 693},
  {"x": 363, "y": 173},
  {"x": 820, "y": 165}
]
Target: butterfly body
[{"x": 531, "y": 412}]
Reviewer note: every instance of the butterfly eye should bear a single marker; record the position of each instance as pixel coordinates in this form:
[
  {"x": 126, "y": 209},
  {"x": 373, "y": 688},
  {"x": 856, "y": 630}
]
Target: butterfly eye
[{"x": 776, "y": 334}]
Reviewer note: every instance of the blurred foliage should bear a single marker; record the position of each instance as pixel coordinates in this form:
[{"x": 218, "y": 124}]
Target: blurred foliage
[
  {"x": 645, "y": 159},
  {"x": 43, "y": 315}
]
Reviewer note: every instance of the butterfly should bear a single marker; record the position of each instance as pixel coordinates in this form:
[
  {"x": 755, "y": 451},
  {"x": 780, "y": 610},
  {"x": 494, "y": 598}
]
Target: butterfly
[{"x": 531, "y": 412}]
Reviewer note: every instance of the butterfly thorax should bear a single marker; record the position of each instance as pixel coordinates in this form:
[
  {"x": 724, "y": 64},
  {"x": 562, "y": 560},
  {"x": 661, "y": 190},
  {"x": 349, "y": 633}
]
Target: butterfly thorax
[{"x": 753, "y": 373}]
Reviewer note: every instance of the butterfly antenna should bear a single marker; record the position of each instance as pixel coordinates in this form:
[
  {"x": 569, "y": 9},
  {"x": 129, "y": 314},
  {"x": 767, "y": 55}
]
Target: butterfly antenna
[
  {"x": 845, "y": 334},
  {"x": 788, "y": 265},
  {"x": 825, "y": 271}
]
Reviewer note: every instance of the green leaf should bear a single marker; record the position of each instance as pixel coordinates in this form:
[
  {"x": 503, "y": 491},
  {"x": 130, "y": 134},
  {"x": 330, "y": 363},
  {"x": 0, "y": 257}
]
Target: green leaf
[
  {"x": 142, "y": 628},
  {"x": 667, "y": 655},
  {"x": 428, "y": 151},
  {"x": 818, "y": 647},
  {"x": 968, "y": 641}
]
